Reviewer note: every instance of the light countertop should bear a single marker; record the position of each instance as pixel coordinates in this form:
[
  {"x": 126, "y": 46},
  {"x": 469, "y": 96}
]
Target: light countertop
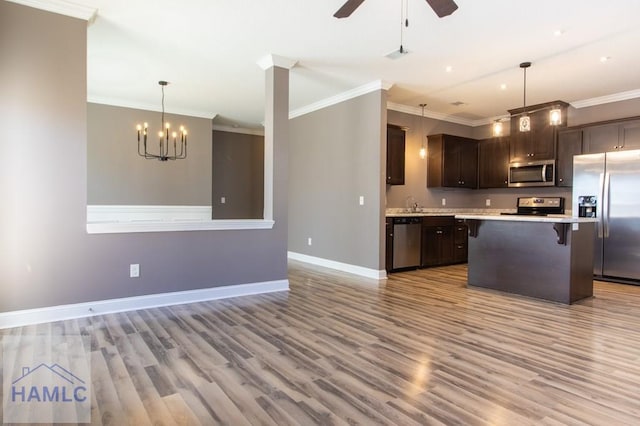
[
  {"x": 552, "y": 218},
  {"x": 400, "y": 212}
]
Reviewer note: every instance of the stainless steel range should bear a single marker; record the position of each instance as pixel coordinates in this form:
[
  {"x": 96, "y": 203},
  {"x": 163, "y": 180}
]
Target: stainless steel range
[{"x": 539, "y": 206}]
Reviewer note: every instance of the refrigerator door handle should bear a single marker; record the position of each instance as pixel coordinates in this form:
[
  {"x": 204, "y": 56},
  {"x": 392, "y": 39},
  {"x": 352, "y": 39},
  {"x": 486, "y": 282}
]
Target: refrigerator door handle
[
  {"x": 605, "y": 204},
  {"x": 600, "y": 216}
]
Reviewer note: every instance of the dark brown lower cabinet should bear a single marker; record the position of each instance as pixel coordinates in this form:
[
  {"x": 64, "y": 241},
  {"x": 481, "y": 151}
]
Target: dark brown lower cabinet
[
  {"x": 460, "y": 240},
  {"x": 437, "y": 241},
  {"x": 443, "y": 241},
  {"x": 389, "y": 244}
]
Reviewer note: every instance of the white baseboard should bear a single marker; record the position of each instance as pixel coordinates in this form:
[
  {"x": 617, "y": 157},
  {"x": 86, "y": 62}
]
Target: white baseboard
[
  {"x": 344, "y": 267},
  {"x": 87, "y": 309}
]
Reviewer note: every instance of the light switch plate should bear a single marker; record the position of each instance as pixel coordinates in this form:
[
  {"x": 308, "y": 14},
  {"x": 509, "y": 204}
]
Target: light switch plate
[{"x": 362, "y": 200}]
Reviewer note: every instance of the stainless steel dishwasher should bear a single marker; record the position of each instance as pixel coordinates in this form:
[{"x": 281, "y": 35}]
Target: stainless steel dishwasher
[{"x": 406, "y": 242}]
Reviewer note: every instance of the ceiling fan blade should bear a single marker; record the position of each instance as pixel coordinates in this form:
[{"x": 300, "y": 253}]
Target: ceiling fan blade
[
  {"x": 442, "y": 8},
  {"x": 347, "y": 8}
]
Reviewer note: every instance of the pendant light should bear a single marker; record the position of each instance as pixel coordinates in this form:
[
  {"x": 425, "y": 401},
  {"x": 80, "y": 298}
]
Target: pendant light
[
  {"x": 525, "y": 120},
  {"x": 555, "y": 116},
  {"x": 423, "y": 150},
  {"x": 497, "y": 128}
]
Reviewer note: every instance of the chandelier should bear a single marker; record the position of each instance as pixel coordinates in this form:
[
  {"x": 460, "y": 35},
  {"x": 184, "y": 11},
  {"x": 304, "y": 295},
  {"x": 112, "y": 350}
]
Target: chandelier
[{"x": 166, "y": 139}]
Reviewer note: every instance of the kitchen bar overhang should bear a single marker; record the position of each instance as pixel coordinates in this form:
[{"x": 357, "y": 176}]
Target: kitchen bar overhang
[{"x": 546, "y": 257}]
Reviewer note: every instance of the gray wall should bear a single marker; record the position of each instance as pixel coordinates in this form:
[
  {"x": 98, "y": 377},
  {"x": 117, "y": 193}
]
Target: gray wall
[
  {"x": 116, "y": 174},
  {"x": 336, "y": 156},
  {"x": 238, "y": 175},
  {"x": 416, "y": 177},
  {"x": 46, "y": 256}
]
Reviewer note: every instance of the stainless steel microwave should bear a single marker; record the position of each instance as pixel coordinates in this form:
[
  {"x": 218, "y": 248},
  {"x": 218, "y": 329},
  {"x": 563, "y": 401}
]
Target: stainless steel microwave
[{"x": 532, "y": 173}]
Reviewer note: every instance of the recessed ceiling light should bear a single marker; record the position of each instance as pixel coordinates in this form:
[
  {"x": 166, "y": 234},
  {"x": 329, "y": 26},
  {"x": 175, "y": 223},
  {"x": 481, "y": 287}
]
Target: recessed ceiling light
[
  {"x": 604, "y": 59},
  {"x": 503, "y": 86},
  {"x": 558, "y": 33},
  {"x": 448, "y": 68}
]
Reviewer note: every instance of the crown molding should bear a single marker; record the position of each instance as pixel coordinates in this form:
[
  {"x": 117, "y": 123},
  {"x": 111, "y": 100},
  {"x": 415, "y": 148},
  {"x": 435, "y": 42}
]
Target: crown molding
[
  {"x": 272, "y": 60},
  {"x": 430, "y": 114},
  {"x": 242, "y": 130},
  {"x": 150, "y": 107},
  {"x": 341, "y": 97},
  {"x": 616, "y": 97},
  {"x": 62, "y": 7},
  {"x": 490, "y": 120}
]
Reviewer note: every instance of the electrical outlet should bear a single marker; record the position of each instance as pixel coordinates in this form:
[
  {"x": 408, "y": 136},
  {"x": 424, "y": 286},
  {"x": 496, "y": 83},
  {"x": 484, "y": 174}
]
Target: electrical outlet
[
  {"x": 487, "y": 202},
  {"x": 134, "y": 270},
  {"x": 309, "y": 241},
  {"x": 223, "y": 200},
  {"x": 362, "y": 200},
  {"x": 444, "y": 201}
]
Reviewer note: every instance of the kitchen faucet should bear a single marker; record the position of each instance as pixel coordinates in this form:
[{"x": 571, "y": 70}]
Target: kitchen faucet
[{"x": 411, "y": 204}]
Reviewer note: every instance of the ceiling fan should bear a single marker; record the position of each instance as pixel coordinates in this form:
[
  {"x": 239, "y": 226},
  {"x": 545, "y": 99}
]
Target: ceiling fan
[{"x": 442, "y": 8}]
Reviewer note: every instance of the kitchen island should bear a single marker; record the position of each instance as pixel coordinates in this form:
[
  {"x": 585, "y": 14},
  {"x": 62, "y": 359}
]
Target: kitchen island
[{"x": 546, "y": 257}]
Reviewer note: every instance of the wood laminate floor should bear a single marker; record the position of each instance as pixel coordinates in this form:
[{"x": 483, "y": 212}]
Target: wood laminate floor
[{"x": 418, "y": 349}]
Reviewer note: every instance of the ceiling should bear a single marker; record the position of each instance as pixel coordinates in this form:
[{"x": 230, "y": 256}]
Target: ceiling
[{"x": 208, "y": 50}]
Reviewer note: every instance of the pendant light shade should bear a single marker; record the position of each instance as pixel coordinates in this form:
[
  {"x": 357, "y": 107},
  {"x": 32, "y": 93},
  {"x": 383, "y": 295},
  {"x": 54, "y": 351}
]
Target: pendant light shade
[
  {"x": 497, "y": 128},
  {"x": 555, "y": 117}
]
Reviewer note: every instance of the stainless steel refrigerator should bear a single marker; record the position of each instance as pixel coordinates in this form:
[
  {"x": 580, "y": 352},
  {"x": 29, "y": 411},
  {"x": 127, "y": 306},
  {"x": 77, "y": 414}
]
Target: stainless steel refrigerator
[{"x": 607, "y": 186}]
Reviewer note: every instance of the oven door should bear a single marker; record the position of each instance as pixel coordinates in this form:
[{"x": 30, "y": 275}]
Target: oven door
[{"x": 535, "y": 173}]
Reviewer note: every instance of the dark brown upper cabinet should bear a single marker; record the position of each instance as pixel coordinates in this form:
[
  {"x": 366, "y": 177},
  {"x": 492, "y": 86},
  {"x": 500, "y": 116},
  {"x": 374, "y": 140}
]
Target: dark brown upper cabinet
[
  {"x": 452, "y": 161},
  {"x": 539, "y": 143},
  {"x": 395, "y": 154},
  {"x": 569, "y": 144},
  {"x": 612, "y": 136},
  {"x": 493, "y": 162},
  {"x": 602, "y": 138}
]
